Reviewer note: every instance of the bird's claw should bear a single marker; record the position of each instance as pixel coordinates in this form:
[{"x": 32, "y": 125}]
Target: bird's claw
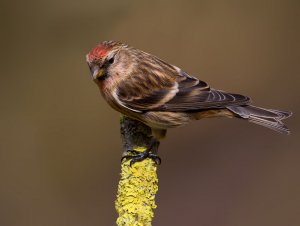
[{"x": 137, "y": 156}]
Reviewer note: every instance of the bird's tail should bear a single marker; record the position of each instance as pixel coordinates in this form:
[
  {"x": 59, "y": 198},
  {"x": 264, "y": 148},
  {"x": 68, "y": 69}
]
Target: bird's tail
[{"x": 265, "y": 117}]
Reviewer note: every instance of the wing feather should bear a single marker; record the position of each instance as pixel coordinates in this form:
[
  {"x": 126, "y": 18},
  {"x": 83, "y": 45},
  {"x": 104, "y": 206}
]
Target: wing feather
[{"x": 169, "y": 89}]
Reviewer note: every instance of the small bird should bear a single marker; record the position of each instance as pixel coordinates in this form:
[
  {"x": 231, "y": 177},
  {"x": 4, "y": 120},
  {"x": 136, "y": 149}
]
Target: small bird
[{"x": 162, "y": 96}]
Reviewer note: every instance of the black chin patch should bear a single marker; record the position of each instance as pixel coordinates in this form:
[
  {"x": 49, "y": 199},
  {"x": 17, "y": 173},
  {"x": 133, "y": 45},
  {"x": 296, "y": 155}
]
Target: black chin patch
[{"x": 103, "y": 77}]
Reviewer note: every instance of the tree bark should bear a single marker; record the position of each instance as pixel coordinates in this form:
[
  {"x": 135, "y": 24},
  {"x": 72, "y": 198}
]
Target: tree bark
[{"x": 138, "y": 183}]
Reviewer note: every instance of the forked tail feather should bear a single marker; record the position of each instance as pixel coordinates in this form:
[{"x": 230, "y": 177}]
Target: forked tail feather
[{"x": 265, "y": 117}]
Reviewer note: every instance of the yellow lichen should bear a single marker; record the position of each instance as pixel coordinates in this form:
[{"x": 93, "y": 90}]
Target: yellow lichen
[{"x": 136, "y": 192}]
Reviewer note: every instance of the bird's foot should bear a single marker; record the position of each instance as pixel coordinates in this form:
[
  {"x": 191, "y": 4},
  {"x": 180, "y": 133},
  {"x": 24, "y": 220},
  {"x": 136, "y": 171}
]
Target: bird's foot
[{"x": 137, "y": 156}]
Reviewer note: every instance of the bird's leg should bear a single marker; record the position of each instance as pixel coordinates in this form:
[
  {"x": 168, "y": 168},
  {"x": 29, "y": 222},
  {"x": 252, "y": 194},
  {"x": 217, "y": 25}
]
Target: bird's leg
[{"x": 150, "y": 152}]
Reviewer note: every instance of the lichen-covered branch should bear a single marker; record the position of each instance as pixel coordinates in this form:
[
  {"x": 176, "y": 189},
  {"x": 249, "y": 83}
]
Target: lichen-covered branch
[{"x": 138, "y": 183}]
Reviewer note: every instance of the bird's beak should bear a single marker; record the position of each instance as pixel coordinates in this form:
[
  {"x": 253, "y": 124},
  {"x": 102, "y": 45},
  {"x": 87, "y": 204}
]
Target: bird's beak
[{"x": 97, "y": 72}]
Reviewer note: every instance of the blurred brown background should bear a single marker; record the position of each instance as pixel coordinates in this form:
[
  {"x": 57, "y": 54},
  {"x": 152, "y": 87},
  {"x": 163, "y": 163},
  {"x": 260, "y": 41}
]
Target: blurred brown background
[{"x": 60, "y": 146}]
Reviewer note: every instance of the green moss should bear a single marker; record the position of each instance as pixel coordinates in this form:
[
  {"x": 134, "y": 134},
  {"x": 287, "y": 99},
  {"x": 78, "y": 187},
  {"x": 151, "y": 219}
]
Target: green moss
[{"x": 136, "y": 192}]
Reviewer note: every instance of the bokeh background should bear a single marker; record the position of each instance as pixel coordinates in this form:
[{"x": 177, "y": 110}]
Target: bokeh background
[{"x": 60, "y": 146}]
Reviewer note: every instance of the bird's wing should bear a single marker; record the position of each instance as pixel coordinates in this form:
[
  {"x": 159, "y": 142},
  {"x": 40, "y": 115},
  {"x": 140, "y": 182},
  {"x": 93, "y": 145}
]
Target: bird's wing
[
  {"x": 194, "y": 95},
  {"x": 181, "y": 93},
  {"x": 142, "y": 92}
]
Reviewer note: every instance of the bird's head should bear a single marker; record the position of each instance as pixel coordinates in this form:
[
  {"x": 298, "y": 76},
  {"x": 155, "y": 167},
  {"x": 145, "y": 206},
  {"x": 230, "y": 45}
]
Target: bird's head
[{"x": 101, "y": 58}]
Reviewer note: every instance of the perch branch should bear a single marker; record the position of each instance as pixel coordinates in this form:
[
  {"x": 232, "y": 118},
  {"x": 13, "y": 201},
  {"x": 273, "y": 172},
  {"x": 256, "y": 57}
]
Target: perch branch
[{"x": 138, "y": 183}]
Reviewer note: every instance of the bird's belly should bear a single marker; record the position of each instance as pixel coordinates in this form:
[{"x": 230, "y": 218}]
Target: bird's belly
[{"x": 164, "y": 120}]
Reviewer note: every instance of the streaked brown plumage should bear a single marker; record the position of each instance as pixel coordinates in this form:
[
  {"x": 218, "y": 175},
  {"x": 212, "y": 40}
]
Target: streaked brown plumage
[{"x": 162, "y": 96}]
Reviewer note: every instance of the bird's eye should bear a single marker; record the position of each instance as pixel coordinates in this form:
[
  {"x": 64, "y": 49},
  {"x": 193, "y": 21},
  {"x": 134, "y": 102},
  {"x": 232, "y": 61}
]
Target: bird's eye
[{"x": 111, "y": 60}]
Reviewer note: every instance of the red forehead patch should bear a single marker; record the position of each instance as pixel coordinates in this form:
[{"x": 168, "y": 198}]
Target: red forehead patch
[{"x": 98, "y": 52}]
